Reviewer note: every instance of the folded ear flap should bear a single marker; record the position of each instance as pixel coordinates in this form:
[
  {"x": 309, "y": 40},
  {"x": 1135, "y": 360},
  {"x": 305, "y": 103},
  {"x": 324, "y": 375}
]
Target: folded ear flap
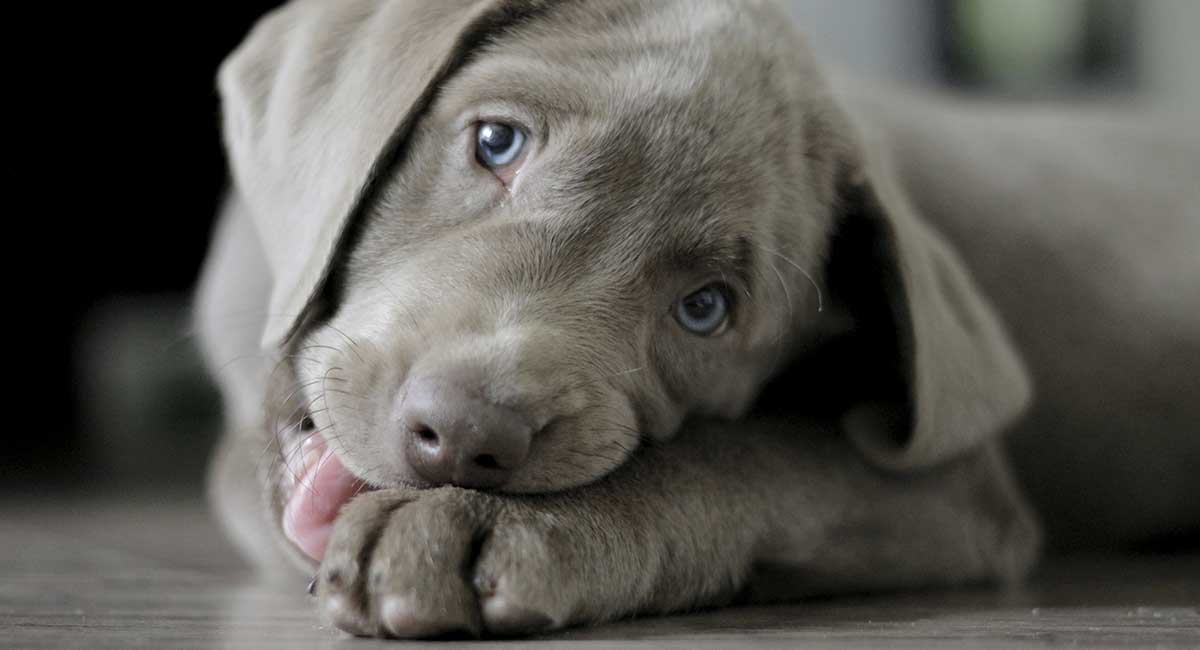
[
  {"x": 317, "y": 102},
  {"x": 953, "y": 376}
]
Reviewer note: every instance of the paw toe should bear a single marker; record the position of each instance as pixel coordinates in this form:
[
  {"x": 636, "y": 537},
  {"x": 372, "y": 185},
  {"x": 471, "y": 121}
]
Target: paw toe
[
  {"x": 403, "y": 618},
  {"x": 507, "y": 618},
  {"x": 346, "y": 617}
]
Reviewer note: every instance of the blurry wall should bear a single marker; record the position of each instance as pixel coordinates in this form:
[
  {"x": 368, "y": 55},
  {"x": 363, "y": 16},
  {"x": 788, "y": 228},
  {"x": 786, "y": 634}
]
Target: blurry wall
[
  {"x": 892, "y": 39},
  {"x": 1092, "y": 49},
  {"x": 1170, "y": 50}
]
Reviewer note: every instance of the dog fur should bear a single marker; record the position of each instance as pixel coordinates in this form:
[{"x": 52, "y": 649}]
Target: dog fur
[{"x": 911, "y": 274}]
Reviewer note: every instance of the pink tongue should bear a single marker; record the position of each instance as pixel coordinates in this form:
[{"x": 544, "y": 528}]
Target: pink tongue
[{"x": 323, "y": 486}]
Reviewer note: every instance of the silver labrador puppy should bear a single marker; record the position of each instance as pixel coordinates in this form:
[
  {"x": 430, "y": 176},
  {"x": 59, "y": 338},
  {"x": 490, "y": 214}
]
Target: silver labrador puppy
[{"x": 532, "y": 313}]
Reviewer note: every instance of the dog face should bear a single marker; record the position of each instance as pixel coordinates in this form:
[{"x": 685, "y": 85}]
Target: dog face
[
  {"x": 606, "y": 222},
  {"x": 510, "y": 240}
]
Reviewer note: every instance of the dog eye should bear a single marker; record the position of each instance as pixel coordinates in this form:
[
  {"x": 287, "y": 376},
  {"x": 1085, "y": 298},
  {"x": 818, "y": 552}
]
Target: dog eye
[
  {"x": 498, "y": 145},
  {"x": 704, "y": 312}
]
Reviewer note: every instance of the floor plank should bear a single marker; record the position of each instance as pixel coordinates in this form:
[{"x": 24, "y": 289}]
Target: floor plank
[{"x": 138, "y": 570}]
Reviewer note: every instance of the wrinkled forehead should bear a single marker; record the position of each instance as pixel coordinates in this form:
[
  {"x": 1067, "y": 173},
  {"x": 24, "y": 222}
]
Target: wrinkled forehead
[
  {"x": 620, "y": 64},
  {"x": 676, "y": 113}
]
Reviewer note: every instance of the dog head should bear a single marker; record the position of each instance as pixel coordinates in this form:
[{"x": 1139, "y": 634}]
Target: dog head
[{"x": 512, "y": 240}]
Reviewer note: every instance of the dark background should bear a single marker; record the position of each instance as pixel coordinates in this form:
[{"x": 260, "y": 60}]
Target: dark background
[{"x": 119, "y": 169}]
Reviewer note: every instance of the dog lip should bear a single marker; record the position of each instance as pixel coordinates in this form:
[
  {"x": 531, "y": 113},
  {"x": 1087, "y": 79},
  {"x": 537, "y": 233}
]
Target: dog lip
[{"x": 322, "y": 486}]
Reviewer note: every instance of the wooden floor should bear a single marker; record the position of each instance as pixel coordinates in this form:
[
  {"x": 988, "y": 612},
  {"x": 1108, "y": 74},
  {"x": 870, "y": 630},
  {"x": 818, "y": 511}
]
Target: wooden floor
[{"x": 132, "y": 571}]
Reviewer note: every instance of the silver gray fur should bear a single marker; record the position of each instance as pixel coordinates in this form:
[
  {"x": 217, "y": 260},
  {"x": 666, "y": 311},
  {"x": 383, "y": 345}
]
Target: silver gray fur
[{"x": 1035, "y": 272}]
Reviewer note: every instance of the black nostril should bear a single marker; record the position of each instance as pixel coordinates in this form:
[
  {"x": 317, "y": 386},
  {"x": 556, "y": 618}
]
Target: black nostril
[
  {"x": 426, "y": 434},
  {"x": 487, "y": 461},
  {"x": 451, "y": 436}
]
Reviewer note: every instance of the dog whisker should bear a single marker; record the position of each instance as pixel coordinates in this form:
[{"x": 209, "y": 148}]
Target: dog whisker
[
  {"x": 811, "y": 279},
  {"x": 349, "y": 339},
  {"x": 296, "y": 416}
]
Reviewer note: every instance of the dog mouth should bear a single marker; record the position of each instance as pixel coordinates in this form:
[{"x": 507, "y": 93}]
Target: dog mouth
[
  {"x": 314, "y": 485},
  {"x": 319, "y": 485}
]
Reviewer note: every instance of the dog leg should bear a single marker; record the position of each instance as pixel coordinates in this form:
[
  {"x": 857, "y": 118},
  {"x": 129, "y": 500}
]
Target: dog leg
[{"x": 685, "y": 524}]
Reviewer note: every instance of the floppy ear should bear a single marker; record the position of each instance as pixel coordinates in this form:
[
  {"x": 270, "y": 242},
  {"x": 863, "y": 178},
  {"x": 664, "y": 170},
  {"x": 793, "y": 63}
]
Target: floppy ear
[
  {"x": 317, "y": 103},
  {"x": 951, "y": 377}
]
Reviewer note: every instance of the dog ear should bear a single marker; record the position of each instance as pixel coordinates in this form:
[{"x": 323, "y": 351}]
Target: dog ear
[
  {"x": 945, "y": 375},
  {"x": 317, "y": 102}
]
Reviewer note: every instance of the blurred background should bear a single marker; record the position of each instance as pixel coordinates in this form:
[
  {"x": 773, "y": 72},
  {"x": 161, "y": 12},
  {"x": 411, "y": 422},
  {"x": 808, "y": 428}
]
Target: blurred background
[{"x": 121, "y": 185}]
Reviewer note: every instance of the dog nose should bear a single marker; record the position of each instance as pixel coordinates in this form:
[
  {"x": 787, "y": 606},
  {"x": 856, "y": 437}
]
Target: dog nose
[{"x": 454, "y": 437}]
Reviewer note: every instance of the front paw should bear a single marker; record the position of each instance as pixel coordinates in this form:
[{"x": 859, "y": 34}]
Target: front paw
[{"x": 428, "y": 563}]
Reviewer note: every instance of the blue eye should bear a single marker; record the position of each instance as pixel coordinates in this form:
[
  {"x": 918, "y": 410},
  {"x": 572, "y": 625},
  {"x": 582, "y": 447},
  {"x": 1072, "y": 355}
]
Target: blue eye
[
  {"x": 498, "y": 145},
  {"x": 704, "y": 312}
]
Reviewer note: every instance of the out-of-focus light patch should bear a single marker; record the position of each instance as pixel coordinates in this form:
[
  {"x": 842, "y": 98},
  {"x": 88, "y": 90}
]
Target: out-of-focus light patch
[
  {"x": 1022, "y": 44},
  {"x": 148, "y": 410}
]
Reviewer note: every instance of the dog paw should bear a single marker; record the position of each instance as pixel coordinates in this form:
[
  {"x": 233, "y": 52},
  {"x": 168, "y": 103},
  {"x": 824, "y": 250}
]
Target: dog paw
[{"x": 453, "y": 562}]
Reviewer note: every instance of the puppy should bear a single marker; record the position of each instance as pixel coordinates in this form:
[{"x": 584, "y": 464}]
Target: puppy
[{"x": 548, "y": 313}]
